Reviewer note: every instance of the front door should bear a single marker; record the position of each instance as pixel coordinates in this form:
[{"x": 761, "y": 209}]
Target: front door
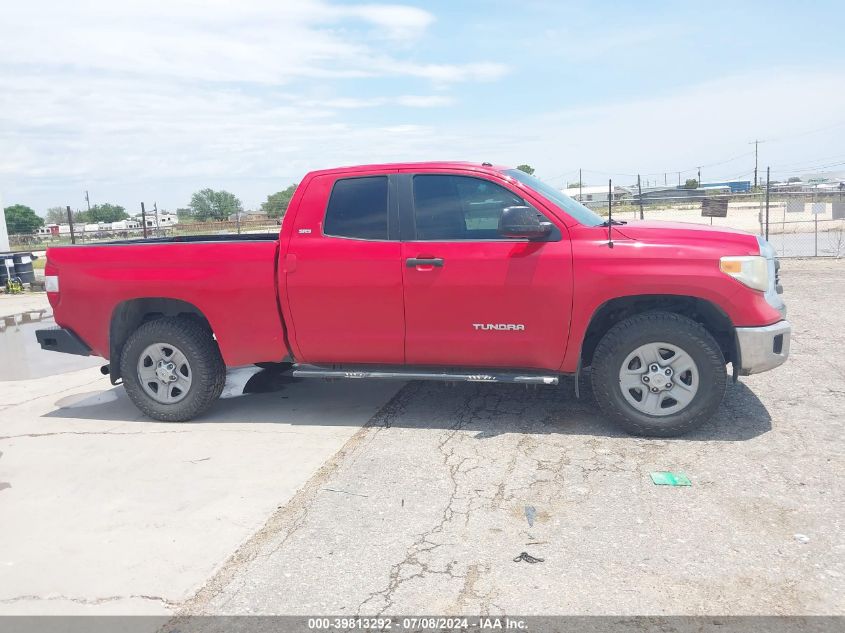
[{"x": 472, "y": 297}]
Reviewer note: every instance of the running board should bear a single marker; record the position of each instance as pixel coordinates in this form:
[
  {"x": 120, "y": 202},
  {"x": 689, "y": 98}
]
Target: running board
[{"x": 314, "y": 371}]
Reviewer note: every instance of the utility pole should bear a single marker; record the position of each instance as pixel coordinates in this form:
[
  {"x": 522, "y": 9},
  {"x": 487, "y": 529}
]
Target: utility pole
[
  {"x": 144, "y": 220},
  {"x": 155, "y": 206},
  {"x": 755, "y": 143},
  {"x": 665, "y": 182},
  {"x": 640, "y": 190},
  {"x": 609, "y": 212},
  {"x": 699, "y": 176},
  {"x": 580, "y": 186},
  {"x": 88, "y": 201},
  {"x": 679, "y": 179},
  {"x": 768, "y": 176},
  {"x": 70, "y": 223}
]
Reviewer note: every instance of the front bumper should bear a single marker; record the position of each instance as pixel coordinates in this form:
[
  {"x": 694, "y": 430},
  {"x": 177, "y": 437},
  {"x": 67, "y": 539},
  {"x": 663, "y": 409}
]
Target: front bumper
[
  {"x": 762, "y": 348},
  {"x": 58, "y": 339}
]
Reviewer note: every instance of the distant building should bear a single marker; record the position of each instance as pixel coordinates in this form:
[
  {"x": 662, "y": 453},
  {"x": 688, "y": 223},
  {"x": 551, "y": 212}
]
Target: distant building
[
  {"x": 736, "y": 186},
  {"x": 595, "y": 194},
  {"x": 665, "y": 193}
]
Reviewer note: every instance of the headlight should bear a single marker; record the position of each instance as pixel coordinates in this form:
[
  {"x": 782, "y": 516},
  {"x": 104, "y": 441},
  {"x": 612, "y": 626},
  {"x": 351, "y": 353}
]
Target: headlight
[{"x": 753, "y": 271}]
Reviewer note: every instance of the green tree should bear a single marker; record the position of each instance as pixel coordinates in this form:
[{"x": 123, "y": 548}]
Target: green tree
[
  {"x": 106, "y": 213},
  {"x": 56, "y": 215},
  {"x": 794, "y": 179},
  {"x": 20, "y": 219},
  {"x": 573, "y": 185},
  {"x": 691, "y": 183},
  {"x": 208, "y": 204},
  {"x": 277, "y": 203},
  {"x": 528, "y": 169}
]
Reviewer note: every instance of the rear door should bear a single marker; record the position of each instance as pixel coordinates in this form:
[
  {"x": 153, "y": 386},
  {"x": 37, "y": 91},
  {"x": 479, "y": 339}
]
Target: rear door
[
  {"x": 343, "y": 275},
  {"x": 473, "y": 297}
]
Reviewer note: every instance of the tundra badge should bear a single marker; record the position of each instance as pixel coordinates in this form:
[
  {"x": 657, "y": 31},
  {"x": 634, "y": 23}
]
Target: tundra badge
[{"x": 513, "y": 327}]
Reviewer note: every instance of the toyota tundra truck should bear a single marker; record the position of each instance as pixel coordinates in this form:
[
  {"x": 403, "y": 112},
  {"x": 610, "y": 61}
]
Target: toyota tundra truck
[{"x": 432, "y": 271}]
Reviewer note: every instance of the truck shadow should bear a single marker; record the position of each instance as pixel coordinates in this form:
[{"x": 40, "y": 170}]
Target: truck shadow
[
  {"x": 492, "y": 410},
  {"x": 488, "y": 410}
]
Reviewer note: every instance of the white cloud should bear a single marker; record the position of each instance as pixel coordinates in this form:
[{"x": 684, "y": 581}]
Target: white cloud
[
  {"x": 407, "y": 101},
  {"x": 399, "y": 22},
  {"x": 247, "y": 41},
  {"x": 425, "y": 101},
  {"x": 154, "y": 99},
  {"x": 131, "y": 140},
  {"x": 705, "y": 123},
  {"x": 120, "y": 93}
]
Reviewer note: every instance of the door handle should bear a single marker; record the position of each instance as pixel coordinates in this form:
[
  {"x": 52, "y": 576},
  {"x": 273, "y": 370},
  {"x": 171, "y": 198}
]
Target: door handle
[{"x": 411, "y": 262}]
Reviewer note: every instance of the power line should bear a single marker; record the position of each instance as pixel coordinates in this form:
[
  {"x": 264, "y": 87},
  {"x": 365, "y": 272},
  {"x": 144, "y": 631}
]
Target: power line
[
  {"x": 697, "y": 167},
  {"x": 807, "y": 132},
  {"x": 802, "y": 162},
  {"x": 809, "y": 168}
]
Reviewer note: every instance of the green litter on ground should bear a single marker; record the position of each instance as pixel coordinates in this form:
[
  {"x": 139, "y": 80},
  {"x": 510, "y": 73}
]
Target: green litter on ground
[{"x": 670, "y": 479}]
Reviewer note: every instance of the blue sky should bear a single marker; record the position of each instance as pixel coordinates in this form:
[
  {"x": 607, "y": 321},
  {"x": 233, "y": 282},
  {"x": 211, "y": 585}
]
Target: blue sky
[{"x": 153, "y": 100}]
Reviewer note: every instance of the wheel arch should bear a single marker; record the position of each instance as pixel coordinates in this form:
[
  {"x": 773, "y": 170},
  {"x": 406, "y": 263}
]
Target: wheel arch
[
  {"x": 128, "y": 315},
  {"x": 702, "y": 311}
]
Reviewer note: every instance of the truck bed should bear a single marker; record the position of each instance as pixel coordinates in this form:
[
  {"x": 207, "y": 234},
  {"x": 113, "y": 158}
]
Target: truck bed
[{"x": 230, "y": 279}]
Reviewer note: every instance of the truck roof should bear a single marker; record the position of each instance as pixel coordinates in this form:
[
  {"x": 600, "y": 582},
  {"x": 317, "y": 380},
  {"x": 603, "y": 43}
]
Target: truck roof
[{"x": 444, "y": 164}]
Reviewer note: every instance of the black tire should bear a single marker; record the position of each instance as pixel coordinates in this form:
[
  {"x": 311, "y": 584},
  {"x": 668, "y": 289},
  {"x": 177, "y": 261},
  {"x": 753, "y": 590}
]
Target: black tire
[
  {"x": 208, "y": 372},
  {"x": 652, "y": 327}
]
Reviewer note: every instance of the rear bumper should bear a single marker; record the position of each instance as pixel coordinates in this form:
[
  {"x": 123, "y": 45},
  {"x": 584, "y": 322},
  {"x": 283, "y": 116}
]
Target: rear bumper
[
  {"x": 57, "y": 339},
  {"x": 762, "y": 348}
]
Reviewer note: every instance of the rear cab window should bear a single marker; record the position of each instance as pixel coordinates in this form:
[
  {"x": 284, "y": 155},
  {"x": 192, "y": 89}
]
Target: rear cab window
[{"x": 357, "y": 209}]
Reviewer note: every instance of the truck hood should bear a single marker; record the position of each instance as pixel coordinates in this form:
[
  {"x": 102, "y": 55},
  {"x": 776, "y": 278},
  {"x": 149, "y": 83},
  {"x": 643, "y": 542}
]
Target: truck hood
[{"x": 661, "y": 232}]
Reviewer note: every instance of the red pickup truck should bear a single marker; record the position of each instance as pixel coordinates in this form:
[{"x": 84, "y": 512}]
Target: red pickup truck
[{"x": 431, "y": 271}]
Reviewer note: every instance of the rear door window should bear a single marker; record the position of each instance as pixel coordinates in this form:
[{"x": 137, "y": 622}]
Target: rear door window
[{"x": 358, "y": 209}]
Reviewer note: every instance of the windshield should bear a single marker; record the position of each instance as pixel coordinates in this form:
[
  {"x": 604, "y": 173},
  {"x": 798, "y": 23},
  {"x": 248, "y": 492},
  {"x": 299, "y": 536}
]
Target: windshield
[{"x": 577, "y": 210}]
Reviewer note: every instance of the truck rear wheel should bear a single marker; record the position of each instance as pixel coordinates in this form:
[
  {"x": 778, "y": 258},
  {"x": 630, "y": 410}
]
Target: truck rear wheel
[
  {"x": 172, "y": 369},
  {"x": 658, "y": 374}
]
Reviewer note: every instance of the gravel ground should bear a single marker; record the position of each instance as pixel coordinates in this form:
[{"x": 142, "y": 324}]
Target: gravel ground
[{"x": 424, "y": 510}]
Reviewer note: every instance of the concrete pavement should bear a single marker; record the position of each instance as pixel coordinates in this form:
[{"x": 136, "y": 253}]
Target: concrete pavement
[
  {"x": 280, "y": 503},
  {"x": 105, "y": 511},
  {"x": 437, "y": 492}
]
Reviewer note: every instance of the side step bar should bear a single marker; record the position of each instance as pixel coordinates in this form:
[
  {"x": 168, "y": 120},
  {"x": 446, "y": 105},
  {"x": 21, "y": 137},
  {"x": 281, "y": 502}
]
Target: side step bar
[{"x": 314, "y": 371}]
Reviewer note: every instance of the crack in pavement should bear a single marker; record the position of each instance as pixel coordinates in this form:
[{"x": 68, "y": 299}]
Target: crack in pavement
[
  {"x": 475, "y": 409},
  {"x": 51, "y": 394},
  {"x": 288, "y": 519},
  {"x": 149, "y": 432},
  {"x": 88, "y": 601},
  {"x": 501, "y": 486}
]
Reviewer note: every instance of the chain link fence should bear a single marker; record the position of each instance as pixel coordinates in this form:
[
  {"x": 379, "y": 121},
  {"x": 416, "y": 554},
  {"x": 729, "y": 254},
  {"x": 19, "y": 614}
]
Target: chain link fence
[
  {"x": 797, "y": 224},
  {"x": 82, "y": 233}
]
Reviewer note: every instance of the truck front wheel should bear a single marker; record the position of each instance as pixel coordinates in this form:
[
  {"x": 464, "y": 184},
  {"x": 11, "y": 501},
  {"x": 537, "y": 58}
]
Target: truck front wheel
[
  {"x": 658, "y": 374},
  {"x": 172, "y": 369}
]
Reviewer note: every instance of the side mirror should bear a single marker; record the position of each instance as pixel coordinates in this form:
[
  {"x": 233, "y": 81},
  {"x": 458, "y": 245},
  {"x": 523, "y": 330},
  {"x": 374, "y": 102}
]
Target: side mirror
[{"x": 522, "y": 222}]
